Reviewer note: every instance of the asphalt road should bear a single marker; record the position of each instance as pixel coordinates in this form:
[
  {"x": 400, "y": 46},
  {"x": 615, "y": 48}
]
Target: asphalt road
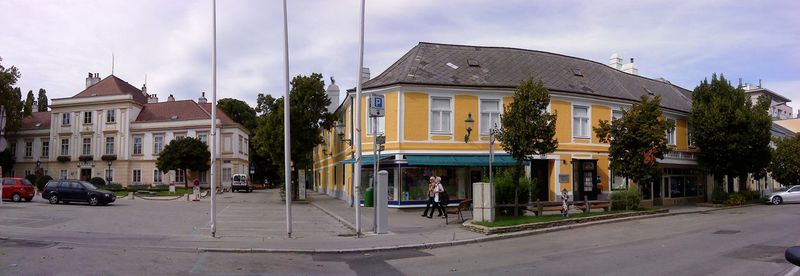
[{"x": 744, "y": 241}]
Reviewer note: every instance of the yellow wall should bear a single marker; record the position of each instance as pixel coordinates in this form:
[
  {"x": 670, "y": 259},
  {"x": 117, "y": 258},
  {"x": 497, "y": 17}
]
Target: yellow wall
[
  {"x": 415, "y": 116},
  {"x": 464, "y": 105},
  {"x": 681, "y": 131},
  {"x": 391, "y": 116},
  {"x": 563, "y": 111},
  {"x": 599, "y": 112}
]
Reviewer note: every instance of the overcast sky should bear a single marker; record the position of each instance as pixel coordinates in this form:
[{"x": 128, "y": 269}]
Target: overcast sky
[{"x": 56, "y": 43}]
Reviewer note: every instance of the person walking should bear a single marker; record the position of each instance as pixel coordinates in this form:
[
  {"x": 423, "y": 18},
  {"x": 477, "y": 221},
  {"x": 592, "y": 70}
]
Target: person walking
[
  {"x": 431, "y": 203},
  {"x": 564, "y": 203},
  {"x": 440, "y": 198}
]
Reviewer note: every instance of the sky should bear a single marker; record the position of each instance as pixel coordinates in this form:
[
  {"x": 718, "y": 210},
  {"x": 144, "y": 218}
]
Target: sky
[{"x": 55, "y": 44}]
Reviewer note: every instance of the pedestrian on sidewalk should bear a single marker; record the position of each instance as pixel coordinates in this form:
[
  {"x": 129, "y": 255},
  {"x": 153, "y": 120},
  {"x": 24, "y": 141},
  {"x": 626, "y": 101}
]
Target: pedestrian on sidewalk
[
  {"x": 564, "y": 203},
  {"x": 431, "y": 203},
  {"x": 440, "y": 198}
]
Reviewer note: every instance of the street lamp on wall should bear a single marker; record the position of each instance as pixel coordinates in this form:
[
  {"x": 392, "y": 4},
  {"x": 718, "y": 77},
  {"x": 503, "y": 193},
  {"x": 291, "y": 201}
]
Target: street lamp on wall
[
  {"x": 339, "y": 128},
  {"x": 469, "y": 123}
]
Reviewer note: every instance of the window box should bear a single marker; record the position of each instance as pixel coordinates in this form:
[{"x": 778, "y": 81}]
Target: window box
[
  {"x": 63, "y": 159},
  {"x": 85, "y": 158},
  {"x": 109, "y": 157}
]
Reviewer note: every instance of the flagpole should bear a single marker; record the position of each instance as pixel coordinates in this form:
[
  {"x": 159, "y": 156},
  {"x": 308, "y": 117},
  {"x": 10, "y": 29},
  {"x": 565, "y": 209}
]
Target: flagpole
[
  {"x": 214, "y": 121},
  {"x": 357, "y": 127},
  {"x": 287, "y": 146}
]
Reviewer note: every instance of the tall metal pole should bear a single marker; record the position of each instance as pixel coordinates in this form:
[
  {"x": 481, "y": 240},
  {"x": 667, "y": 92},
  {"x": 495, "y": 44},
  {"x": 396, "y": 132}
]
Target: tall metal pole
[
  {"x": 375, "y": 168},
  {"x": 214, "y": 121},
  {"x": 357, "y": 126},
  {"x": 287, "y": 130}
]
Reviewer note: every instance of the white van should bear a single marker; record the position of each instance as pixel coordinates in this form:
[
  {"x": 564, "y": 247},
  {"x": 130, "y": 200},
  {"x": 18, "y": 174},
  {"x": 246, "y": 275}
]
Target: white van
[{"x": 240, "y": 183}]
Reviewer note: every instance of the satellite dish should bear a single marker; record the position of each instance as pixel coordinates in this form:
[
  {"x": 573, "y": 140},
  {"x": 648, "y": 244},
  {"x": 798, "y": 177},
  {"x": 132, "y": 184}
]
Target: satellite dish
[{"x": 3, "y": 143}]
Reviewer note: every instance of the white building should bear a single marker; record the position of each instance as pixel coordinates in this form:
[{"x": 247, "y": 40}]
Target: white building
[{"x": 115, "y": 131}]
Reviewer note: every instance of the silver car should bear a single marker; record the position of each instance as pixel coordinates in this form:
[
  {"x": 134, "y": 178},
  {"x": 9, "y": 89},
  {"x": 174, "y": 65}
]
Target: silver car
[{"x": 790, "y": 195}]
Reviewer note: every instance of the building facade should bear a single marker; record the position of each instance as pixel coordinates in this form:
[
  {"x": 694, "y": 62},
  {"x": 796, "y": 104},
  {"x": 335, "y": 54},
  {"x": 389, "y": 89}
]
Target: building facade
[
  {"x": 115, "y": 131},
  {"x": 434, "y": 88}
]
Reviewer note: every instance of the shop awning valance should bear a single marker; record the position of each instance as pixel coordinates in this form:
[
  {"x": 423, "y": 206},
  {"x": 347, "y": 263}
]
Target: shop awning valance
[
  {"x": 366, "y": 159},
  {"x": 460, "y": 160}
]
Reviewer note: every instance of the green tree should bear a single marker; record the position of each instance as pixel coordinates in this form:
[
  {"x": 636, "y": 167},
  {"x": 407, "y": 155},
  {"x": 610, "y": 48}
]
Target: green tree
[
  {"x": 309, "y": 115},
  {"x": 728, "y": 128},
  {"x": 527, "y": 128},
  {"x": 27, "y": 109},
  {"x": 785, "y": 167},
  {"x": 42, "y": 100},
  {"x": 10, "y": 97},
  {"x": 637, "y": 140},
  {"x": 185, "y": 153},
  {"x": 239, "y": 111}
]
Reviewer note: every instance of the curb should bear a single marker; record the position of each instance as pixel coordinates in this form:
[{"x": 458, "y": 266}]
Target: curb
[{"x": 334, "y": 216}]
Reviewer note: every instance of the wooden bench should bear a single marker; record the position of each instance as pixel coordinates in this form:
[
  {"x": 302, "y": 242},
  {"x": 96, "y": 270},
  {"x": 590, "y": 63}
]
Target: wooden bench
[
  {"x": 539, "y": 207},
  {"x": 458, "y": 210},
  {"x": 586, "y": 206}
]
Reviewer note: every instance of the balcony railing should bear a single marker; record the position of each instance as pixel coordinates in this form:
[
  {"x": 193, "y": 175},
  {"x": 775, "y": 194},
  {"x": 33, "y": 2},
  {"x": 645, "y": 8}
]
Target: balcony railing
[{"x": 680, "y": 155}]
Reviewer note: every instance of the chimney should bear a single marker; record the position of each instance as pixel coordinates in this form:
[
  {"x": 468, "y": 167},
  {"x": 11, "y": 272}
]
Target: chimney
[
  {"x": 333, "y": 94},
  {"x": 92, "y": 79},
  {"x": 144, "y": 90},
  {"x": 170, "y": 98},
  {"x": 364, "y": 74},
  {"x": 630, "y": 68},
  {"x": 615, "y": 61},
  {"x": 35, "y": 106},
  {"x": 202, "y": 98},
  {"x": 152, "y": 98}
]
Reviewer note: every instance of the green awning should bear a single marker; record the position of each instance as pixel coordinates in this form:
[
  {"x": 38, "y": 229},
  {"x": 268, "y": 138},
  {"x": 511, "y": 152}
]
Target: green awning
[
  {"x": 460, "y": 160},
  {"x": 366, "y": 159}
]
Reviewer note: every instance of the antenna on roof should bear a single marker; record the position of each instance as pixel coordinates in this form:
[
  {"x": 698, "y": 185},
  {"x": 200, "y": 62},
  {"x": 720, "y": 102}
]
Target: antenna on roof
[
  {"x": 112, "y": 63},
  {"x": 145, "y": 79}
]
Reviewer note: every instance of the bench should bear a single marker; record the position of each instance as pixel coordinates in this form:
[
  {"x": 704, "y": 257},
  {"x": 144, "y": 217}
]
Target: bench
[
  {"x": 462, "y": 206},
  {"x": 595, "y": 204},
  {"x": 539, "y": 207}
]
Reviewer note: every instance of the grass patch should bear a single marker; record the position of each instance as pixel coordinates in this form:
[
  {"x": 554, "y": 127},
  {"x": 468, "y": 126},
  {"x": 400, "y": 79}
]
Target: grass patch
[
  {"x": 501, "y": 221},
  {"x": 120, "y": 193}
]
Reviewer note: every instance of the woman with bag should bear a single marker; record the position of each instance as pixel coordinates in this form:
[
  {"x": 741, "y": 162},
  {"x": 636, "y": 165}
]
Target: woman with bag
[
  {"x": 441, "y": 198},
  {"x": 431, "y": 203}
]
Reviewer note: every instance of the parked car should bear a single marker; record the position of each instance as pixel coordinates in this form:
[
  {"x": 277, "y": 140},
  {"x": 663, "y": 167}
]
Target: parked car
[
  {"x": 240, "y": 183},
  {"x": 790, "y": 195},
  {"x": 16, "y": 189},
  {"x": 76, "y": 190}
]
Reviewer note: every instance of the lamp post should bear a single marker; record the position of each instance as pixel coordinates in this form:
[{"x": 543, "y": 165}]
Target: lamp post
[
  {"x": 108, "y": 179},
  {"x": 38, "y": 165}
]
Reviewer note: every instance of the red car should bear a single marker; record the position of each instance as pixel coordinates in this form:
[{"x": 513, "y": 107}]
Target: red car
[{"x": 16, "y": 189}]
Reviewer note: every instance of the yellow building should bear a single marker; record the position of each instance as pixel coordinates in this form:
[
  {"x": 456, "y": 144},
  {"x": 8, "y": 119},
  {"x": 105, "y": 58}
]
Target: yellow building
[{"x": 432, "y": 89}]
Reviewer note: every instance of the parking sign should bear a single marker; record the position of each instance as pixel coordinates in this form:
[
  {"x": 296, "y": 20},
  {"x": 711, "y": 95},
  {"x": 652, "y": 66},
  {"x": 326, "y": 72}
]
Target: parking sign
[{"x": 377, "y": 106}]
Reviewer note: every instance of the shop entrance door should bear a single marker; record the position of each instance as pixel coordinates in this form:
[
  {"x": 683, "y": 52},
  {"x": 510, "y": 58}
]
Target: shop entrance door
[
  {"x": 86, "y": 174},
  {"x": 540, "y": 173},
  {"x": 584, "y": 174},
  {"x": 658, "y": 191}
]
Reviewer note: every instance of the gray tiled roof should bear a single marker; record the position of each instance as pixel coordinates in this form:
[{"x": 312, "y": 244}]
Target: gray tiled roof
[{"x": 497, "y": 67}]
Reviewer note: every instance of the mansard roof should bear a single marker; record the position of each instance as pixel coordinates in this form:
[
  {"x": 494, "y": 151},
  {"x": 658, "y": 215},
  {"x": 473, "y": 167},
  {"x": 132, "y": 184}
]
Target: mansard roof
[
  {"x": 110, "y": 86},
  {"x": 37, "y": 120},
  {"x": 499, "y": 67}
]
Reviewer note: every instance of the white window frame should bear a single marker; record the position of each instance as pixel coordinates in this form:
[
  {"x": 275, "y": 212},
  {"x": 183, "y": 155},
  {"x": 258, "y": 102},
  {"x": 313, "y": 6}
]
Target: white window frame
[
  {"x": 65, "y": 147},
  {"x": 158, "y": 147},
  {"x": 672, "y": 135},
  {"x": 140, "y": 144},
  {"x": 158, "y": 176},
  {"x": 28, "y": 148},
  {"x": 381, "y": 124},
  {"x": 86, "y": 149},
  {"x": 111, "y": 116},
  {"x": 582, "y": 128},
  {"x": 203, "y": 137},
  {"x": 110, "y": 145},
  {"x": 136, "y": 176},
  {"x": 485, "y": 130},
  {"x": 689, "y": 138},
  {"x": 613, "y": 111},
  {"x": 65, "y": 119},
  {"x": 63, "y": 174},
  {"x": 180, "y": 176},
  {"x": 87, "y": 117},
  {"x": 449, "y": 112},
  {"x": 45, "y": 148}
]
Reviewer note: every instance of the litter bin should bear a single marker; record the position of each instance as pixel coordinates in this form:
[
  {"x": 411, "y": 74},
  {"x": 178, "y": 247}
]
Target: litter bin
[{"x": 369, "y": 197}]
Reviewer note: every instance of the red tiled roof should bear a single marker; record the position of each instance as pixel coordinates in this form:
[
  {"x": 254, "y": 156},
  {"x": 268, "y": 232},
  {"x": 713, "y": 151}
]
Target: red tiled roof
[
  {"x": 224, "y": 118},
  {"x": 37, "y": 120},
  {"x": 172, "y": 111},
  {"x": 112, "y": 85}
]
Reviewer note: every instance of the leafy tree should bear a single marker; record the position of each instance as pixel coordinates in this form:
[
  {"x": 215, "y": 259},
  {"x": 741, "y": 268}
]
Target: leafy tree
[
  {"x": 309, "y": 115},
  {"x": 28, "y": 107},
  {"x": 785, "y": 167},
  {"x": 42, "y": 100},
  {"x": 239, "y": 111},
  {"x": 10, "y": 97},
  {"x": 637, "y": 140},
  {"x": 185, "y": 153},
  {"x": 728, "y": 128},
  {"x": 527, "y": 128}
]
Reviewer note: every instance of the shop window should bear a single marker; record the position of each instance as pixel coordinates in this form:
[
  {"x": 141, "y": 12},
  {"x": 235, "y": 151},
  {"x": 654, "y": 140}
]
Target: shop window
[{"x": 676, "y": 186}]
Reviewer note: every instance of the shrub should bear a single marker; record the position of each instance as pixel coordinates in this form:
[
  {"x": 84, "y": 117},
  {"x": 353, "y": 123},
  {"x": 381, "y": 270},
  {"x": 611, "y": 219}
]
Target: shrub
[
  {"x": 504, "y": 192},
  {"x": 97, "y": 181},
  {"x": 43, "y": 181},
  {"x": 114, "y": 187},
  {"x": 736, "y": 199},
  {"x": 718, "y": 195},
  {"x": 751, "y": 195},
  {"x": 626, "y": 199}
]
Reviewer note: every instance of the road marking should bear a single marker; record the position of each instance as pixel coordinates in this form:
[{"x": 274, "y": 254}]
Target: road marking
[
  {"x": 793, "y": 271},
  {"x": 199, "y": 263}
]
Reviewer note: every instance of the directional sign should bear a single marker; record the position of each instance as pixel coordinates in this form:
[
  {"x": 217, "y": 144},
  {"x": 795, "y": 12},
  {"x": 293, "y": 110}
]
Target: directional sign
[
  {"x": 380, "y": 140},
  {"x": 377, "y": 106},
  {"x": 252, "y": 168}
]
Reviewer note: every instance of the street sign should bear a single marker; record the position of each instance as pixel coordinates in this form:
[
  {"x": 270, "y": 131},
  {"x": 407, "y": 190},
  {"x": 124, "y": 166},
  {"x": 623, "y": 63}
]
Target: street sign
[
  {"x": 377, "y": 106},
  {"x": 380, "y": 140},
  {"x": 252, "y": 168}
]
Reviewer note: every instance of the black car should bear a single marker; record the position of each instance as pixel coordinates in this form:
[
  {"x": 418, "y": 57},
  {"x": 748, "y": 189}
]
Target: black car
[{"x": 76, "y": 190}]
